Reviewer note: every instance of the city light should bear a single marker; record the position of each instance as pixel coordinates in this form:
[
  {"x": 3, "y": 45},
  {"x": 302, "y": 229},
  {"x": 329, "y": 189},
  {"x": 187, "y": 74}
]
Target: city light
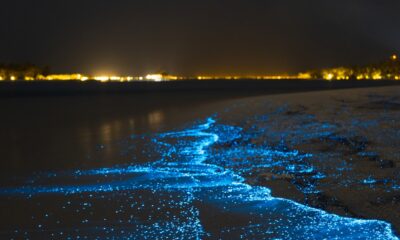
[
  {"x": 376, "y": 75},
  {"x": 61, "y": 77},
  {"x": 115, "y": 78},
  {"x": 386, "y": 70},
  {"x": 304, "y": 76},
  {"x": 102, "y": 78},
  {"x": 154, "y": 77},
  {"x": 328, "y": 76},
  {"x": 256, "y": 77}
]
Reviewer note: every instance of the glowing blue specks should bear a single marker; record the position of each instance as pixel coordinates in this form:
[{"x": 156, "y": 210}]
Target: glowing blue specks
[
  {"x": 369, "y": 180},
  {"x": 195, "y": 190}
]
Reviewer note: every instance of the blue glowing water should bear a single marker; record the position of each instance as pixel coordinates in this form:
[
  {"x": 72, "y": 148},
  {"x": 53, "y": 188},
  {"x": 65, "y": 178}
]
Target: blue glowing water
[{"x": 191, "y": 191}]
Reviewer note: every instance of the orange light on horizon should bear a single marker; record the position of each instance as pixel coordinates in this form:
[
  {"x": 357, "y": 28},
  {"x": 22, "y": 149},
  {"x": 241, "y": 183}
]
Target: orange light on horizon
[
  {"x": 328, "y": 76},
  {"x": 62, "y": 77},
  {"x": 101, "y": 78},
  {"x": 376, "y": 75}
]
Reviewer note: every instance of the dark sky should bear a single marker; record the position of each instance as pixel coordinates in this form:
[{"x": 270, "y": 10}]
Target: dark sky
[{"x": 197, "y": 36}]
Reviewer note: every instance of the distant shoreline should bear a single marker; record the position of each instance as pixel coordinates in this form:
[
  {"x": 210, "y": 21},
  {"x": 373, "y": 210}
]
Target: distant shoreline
[{"x": 62, "y": 88}]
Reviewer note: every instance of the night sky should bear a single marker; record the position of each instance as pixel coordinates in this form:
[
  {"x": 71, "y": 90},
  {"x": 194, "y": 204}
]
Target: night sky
[{"x": 197, "y": 37}]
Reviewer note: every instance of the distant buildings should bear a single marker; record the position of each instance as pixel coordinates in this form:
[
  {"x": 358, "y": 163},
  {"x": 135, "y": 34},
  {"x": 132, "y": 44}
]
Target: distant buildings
[
  {"x": 160, "y": 77},
  {"x": 389, "y": 69}
]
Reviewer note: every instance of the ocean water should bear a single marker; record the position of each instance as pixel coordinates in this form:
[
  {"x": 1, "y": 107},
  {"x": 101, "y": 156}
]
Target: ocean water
[{"x": 178, "y": 187}]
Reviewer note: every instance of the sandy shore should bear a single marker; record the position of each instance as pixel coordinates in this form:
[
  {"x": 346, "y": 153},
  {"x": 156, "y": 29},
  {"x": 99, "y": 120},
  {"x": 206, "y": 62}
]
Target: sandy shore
[
  {"x": 336, "y": 150},
  {"x": 349, "y": 140}
]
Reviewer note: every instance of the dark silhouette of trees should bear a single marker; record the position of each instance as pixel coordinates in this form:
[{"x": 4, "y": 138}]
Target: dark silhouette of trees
[
  {"x": 388, "y": 69},
  {"x": 12, "y": 71}
]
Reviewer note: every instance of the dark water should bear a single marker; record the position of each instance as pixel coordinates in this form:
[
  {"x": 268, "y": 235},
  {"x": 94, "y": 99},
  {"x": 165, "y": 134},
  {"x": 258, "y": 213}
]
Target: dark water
[
  {"x": 122, "y": 167},
  {"x": 60, "y": 133}
]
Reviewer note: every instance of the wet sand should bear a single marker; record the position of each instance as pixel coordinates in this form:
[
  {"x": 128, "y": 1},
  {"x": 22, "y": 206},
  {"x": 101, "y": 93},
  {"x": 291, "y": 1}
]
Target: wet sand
[
  {"x": 333, "y": 150},
  {"x": 352, "y": 138}
]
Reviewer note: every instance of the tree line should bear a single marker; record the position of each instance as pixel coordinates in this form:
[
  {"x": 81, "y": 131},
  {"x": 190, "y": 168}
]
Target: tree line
[
  {"x": 388, "y": 69},
  {"x": 22, "y": 71}
]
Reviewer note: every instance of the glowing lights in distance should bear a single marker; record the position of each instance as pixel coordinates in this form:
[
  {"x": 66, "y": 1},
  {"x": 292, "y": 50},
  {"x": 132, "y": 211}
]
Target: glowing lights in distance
[
  {"x": 154, "y": 77},
  {"x": 160, "y": 77}
]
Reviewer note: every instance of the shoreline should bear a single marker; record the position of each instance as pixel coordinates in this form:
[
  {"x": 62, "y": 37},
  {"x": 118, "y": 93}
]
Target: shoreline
[
  {"x": 73, "y": 88},
  {"x": 353, "y": 165},
  {"x": 335, "y": 150}
]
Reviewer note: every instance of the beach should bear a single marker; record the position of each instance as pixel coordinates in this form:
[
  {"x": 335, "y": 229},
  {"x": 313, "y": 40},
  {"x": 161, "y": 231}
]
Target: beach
[
  {"x": 351, "y": 137},
  {"x": 329, "y": 156}
]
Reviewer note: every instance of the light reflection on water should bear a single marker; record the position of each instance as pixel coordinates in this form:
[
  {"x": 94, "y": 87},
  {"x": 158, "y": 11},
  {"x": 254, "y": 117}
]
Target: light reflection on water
[
  {"x": 184, "y": 192},
  {"x": 77, "y": 143},
  {"x": 155, "y": 119}
]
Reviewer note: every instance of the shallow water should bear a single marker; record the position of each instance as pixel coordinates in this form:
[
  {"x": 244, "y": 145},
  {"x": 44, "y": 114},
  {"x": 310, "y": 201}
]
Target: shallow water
[{"x": 178, "y": 189}]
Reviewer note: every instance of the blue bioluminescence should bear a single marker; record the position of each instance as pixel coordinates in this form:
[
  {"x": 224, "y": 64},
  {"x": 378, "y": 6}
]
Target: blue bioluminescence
[{"x": 193, "y": 191}]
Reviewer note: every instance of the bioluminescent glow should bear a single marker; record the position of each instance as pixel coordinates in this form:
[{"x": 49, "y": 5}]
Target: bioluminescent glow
[{"x": 196, "y": 189}]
